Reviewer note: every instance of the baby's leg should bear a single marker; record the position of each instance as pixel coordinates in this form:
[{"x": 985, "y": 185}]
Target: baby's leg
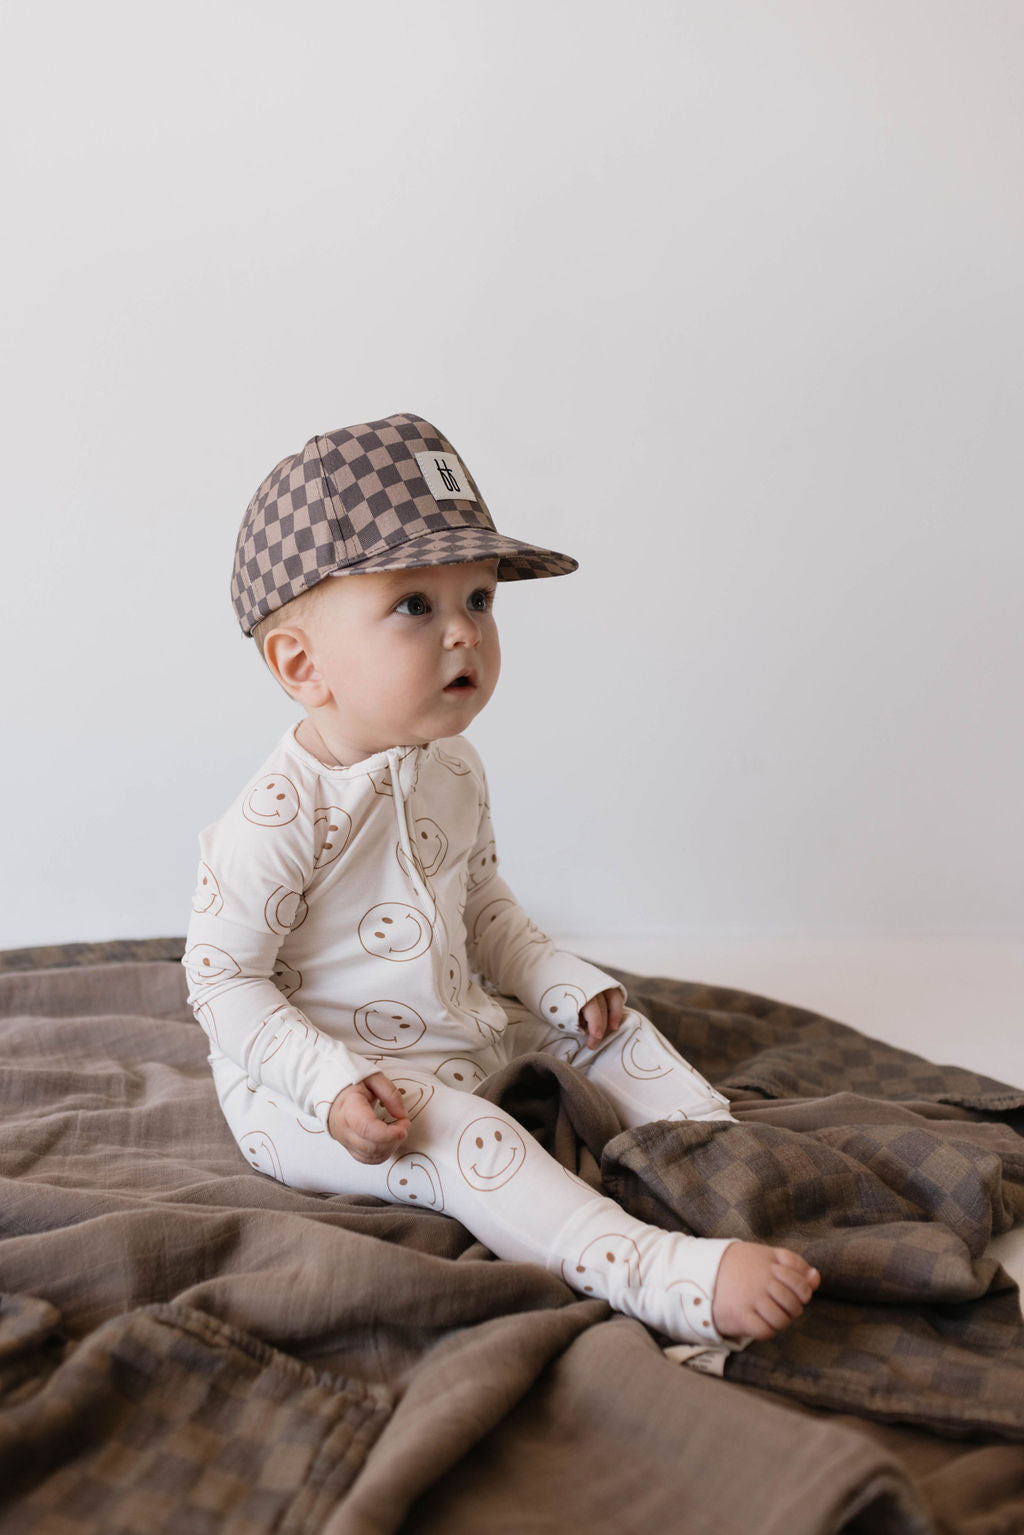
[
  {"x": 469, "y": 1159},
  {"x": 759, "y": 1289},
  {"x": 637, "y": 1068}
]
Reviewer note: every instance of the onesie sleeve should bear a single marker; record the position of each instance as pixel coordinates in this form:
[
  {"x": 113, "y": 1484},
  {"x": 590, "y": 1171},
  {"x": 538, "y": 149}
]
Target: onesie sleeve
[
  {"x": 511, "y": 951},
  {"x": 249, "y": 894}
]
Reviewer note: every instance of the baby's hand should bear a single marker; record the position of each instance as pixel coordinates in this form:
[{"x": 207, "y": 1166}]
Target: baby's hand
[
  {"x": 601, "y": 1015},
  {"x": 352, "y": 1121},
  {"x": 760, "y": 1290}
]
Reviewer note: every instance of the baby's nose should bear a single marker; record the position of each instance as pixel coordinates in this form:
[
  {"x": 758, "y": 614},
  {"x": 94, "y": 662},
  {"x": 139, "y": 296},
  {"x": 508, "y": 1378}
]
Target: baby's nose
[{"x": 462, "y": 630}]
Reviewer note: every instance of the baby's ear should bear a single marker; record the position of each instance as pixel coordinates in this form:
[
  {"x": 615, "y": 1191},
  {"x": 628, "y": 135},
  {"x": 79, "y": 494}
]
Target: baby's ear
[{"x": 289, "y": 655}]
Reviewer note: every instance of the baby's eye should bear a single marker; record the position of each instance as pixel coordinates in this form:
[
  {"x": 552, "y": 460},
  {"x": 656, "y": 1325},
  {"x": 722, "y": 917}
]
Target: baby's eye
[
  {"x": 416, "y": 605},
  {"x": 481, "y": 600}
]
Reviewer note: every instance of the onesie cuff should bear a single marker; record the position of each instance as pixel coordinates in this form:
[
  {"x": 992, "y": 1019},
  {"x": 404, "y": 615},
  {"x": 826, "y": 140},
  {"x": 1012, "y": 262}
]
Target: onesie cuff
[
  {"x": 610, "y": 985},
  {"x": 562, "y": 978},
  {"x": 332, "y": 1078}
]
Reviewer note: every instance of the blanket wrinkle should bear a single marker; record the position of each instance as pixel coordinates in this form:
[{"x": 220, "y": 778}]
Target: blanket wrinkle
[
  {"x": 895, "y": 1212},
  {"x": 682, "y": 1452},
  {"x": 163, "y": 1418},
  {"x": 467, "y": 1385},
  {"x": 764, "y": 1183},
  {"x": 895, "y": 1209},
  {"x": 144, "y": 1257}
]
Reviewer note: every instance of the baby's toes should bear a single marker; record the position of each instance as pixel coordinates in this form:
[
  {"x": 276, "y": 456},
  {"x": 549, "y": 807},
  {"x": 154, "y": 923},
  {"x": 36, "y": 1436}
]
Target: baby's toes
[
  {"x": 784, "y": 1302},
  {"x": 796, "y": 1272},
  {"x": 769, "y": 1318}
]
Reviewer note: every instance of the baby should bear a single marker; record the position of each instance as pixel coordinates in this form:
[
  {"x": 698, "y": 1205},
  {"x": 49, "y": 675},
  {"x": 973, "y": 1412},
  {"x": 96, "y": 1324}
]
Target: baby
[{"x": 354, "y": 955}]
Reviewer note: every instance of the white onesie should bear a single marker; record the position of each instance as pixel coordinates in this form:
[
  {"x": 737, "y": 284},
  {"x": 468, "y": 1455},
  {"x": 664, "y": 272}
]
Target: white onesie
[{"x": 353, "y": 920}]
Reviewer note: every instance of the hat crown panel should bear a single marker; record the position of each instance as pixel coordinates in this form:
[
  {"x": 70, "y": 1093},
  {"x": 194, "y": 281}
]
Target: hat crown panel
[{"x": 380, "y": 497}]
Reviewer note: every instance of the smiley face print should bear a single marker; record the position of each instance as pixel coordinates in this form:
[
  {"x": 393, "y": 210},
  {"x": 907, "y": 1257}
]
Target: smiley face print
[
  {"x": 415, "y": 1094},
  {"x": 561, "y": 1005},
  {"x": 413, "y": 1179},
  {"x": 482, "y": 865},
  {"x": 260, "y": 1152},
  {"x": 205, "y": 963},
  {"x": 207, "y": 900},
  {"x": 380, "y": 780},
  {"x": 696, "y": 1305},
  {"x": 644, "y": 1058},
  {"x": 276, "y": 1041},
  {"x": 332, "y": 828},
  {"x": 608, "y": 1263},
  {"x": 286, "y": 979},
  {"x": 490, "y": 1027},
  {"x": 389, "y": 1025},
  {"x": 285, "y": 910},
  {"x": 453, "y": 978},
  {"x": 566, "y": 1047},
  {"x": 453, "y": 764},
  {"x": 273, "y": 801},
  {"x": 410, "y": 867},
  {"x": 395, "y": 931},
  {"x": 459, "y": 1071},
  {"x": 429, "y": 844},
  {"x": 489, "y": 914},
  {"x": 285, "y": 1022},
  {"x": 490, "y": 1152}
]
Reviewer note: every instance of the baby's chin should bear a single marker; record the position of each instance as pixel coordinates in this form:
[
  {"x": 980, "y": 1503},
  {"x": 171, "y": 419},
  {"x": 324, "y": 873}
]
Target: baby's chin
[{"x": 456, "y": 710}]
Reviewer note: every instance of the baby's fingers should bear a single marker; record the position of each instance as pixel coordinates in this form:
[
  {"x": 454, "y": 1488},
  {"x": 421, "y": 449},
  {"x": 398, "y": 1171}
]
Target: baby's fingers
[
  {"x": 367, "y": 1137},
  {"x": 374, "y": 1141},
  {"x": 381, "y": 1133},
  {"x": 387, "y": 1094},
  {"x": 594, "y": 1018}
]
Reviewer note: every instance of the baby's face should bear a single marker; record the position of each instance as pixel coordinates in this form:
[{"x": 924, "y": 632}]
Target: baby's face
[{"x": 409, "y": 656}]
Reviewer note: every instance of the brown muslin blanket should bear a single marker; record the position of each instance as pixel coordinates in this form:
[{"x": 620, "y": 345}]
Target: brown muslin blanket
[{"x": 188, "y": 1346}]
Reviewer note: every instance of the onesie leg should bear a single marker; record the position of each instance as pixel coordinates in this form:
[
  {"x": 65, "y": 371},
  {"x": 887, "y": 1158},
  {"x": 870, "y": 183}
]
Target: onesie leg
[
  {"x": 637, "y": 1068},
  {"x": 646, "y": 1078},
  {"x": 467, "y": 1158}
]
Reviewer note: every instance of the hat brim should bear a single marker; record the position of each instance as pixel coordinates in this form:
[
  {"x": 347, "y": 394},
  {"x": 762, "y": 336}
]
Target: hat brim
[{"x": 462, "y": 546}]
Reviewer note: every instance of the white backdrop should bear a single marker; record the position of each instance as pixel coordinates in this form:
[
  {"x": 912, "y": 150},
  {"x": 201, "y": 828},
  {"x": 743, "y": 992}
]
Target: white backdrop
[{"x": 725, "y": 300}]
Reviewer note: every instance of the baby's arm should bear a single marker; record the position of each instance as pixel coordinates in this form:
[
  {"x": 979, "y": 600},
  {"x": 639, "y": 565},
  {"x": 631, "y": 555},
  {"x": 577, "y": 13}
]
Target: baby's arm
[
  {"x": 512, "y": 952},
  {"x": 249, "y": 1019},
  {"x": 251, "y": 891}
]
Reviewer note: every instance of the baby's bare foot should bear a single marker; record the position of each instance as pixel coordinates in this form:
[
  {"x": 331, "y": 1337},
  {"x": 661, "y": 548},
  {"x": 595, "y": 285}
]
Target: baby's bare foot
[{"x": 760, "y": 1290}]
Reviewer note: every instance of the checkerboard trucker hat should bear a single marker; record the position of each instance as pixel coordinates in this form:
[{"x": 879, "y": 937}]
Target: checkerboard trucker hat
[{"x": 388, "y": 495}]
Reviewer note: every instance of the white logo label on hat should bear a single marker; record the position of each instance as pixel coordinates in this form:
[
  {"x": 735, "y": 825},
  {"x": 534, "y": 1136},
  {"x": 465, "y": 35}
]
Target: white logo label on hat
[{"x": 446, "y": 479}]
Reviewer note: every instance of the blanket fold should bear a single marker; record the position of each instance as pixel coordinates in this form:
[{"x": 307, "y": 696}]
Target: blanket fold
[
  {"x": 168, "y": 1419},
  {"x": 180, "y": 1332}
]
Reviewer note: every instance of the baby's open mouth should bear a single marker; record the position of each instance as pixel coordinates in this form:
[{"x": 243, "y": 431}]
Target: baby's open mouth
[{"x": 463, "y": 681}]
